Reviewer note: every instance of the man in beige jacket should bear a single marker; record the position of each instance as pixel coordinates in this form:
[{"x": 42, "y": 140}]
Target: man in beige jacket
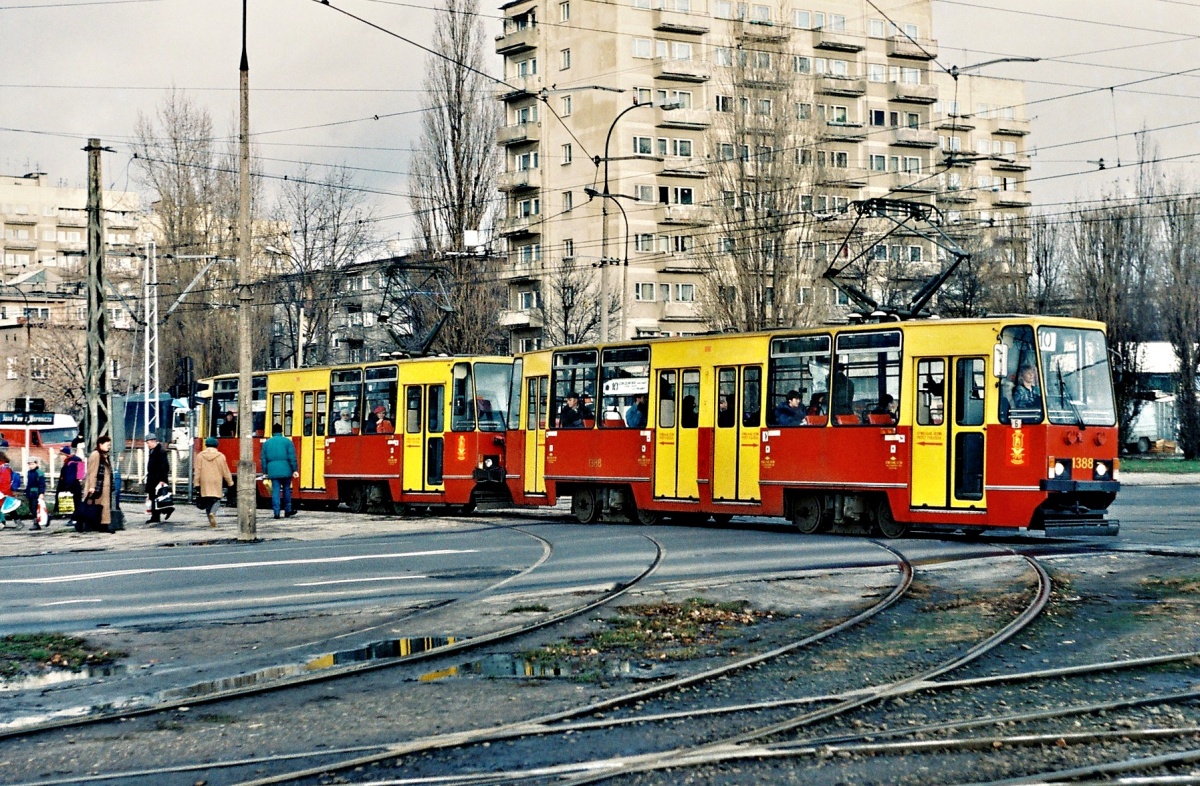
[{"x": 212, "y": 475}]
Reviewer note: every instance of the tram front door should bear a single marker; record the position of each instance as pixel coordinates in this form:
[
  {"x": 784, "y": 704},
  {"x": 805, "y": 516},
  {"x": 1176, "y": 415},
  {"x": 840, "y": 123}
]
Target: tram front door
[
  {"x": 948, "y": 433},
  {"x": 536, "y": 402},
  {"x": 424, "y": 437},
  {"x": 736, "y": 434},
  {"x": 312, "y": 441},
  {"x": 676, "y": 434}
]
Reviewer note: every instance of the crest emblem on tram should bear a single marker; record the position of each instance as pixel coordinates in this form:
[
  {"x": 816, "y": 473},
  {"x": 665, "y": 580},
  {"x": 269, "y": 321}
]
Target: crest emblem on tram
[{"x": 1017, "y": 453}]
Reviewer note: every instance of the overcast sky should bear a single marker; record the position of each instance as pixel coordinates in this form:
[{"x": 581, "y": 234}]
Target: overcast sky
[{"x": 70, "y": 69}]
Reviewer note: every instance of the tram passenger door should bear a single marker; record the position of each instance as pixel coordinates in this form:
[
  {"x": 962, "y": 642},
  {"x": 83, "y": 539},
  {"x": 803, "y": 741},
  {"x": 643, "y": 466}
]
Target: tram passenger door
[
  {"x": 736, "y": 434},
  {"x": 424, "y": 437},
  {"x": 677, "y": 434},
  {"x": 312, "y": 441},
  {"x": 536, "y": 400},
  {"x": 948, "y": 433}
]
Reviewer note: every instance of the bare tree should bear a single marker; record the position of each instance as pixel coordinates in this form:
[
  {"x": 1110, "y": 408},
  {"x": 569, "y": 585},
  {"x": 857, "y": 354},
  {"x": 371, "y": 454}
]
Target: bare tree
[
  {"x": 328, "y": 225},
  {"x": 1048, "y": 282},
  {"x": 569, "y": 305},
  {"x": 476, "y": 296},
  {"x": 1181, "y": 311},
  {"x": 766, "y": 182}
]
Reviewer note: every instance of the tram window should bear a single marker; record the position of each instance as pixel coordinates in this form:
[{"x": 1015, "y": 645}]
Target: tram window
[
  {"x": 1024, "y": 404},
  {"x": 412, "y": 409},
  {"x": 224, "y": 404},
  {"x": 543, "y": 398},
  {"x": 463, "y": 414},
  {"x": 624, "y": 375},
  {"x": 752, "y": 397},
  {"x": 381, "y": 400},
  {"x": 689, "y": 405},
  {"x": 801, "y": 364},
  {"x": 968, "y": 392},
  {"x": 346, "y": 392},
  {"x": 575, "y": 372},
  {"x": 514, "y": 395},
  {"x": 666, "y": 399},
  {"x": 309, "y": 406},
  {"x": 277, "y": 409},
  {"x": 492, "y": 389},
  {"x": 866, "y": 378},
  {"x": 726, "y": 397},
  {"x": 533, "y": 420},
  {"x": 437, "y": 409},
  {"x": 289, "y": 404},
  {"x": 258, "y": 404},
  {"x": 931, "y": 391},
  {"x": 1077, "y": 376},
  {"x": 321, "y": 399}
]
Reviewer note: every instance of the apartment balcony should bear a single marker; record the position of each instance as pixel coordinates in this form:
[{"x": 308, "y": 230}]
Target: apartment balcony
[
  {"x": 912, "y": 94},
  {"x": 522, "y": 271},
  {"x": 844, "y": 132},
  {"x": 903, "y": 46},
  {"x": 521, "y": 87},
  {"x": 838, "y": 40},
  {"x": 514, "y": 42},
  {"x": 522, "y": 225},
  {"x": 915, "y": 182},
  {"x": 681, "y": 70},
  {"x": 516, "y": 319},
  {"x": 958, "y": 196},
  {"x": 676, "y": 22},
  {"x": 27, "y": 244},
  {"x": 684, "y": 167},
  {"x": 957, "y": 123},
  {"x": 691, "y": 119},
  {"x": 1009, "y": 126},
  {"x": 915, "y": 137},
  {"x": 686, "y": 215},
  {"x": 963, "y": 159},
  {"x": 520, "y": 180},
  {"x": 674, "y": 311},
  {"x": 765, "y": 32},
  {"x": 847, "y": 177},
  {"x": 519, "y": 133},
  {"x": 1012, "y": 198},
  {"x": 1013, "y": 162},
  {"x": 841, "y": 86}
]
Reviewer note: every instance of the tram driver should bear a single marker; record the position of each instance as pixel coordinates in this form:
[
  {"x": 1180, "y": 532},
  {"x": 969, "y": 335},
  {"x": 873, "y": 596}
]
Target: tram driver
[{"x": 570, "y": 416}]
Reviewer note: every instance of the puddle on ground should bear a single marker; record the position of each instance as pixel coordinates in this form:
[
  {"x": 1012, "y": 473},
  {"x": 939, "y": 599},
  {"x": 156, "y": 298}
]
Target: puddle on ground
[
  {"x": 60, "y": 677},
  {"x": 501, "y": 666}
]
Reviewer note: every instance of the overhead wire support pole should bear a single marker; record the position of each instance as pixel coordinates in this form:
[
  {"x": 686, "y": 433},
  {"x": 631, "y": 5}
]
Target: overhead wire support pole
[
  {"x": 96, "y": 392},
  {"x": 246, "y": 482}
]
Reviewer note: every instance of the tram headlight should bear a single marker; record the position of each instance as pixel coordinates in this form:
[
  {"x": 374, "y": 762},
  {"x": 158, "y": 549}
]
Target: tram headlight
[
  {"x": 1099, "y": 470},
  {"x": 1058, "y": 468}
]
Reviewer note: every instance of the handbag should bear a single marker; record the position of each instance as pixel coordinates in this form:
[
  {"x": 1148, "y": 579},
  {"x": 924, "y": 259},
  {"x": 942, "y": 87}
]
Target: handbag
[
  {"x": 88, "y": 516},
  {"x": 64, "y": 503},
  {"x": 163, "y": 498}
]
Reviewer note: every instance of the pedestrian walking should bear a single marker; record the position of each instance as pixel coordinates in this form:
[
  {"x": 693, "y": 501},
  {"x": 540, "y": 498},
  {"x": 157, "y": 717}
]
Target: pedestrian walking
[
  {"x": 158, "y": 476},
  {"x": 6, "y": 485},
  {"x": 212, "y": 475},
  {"x": 35, "y": 487},
  {"x": 69, "y": 491},
  {"x": 278, "y": 462},
  {"x": 98, "y": 489}
]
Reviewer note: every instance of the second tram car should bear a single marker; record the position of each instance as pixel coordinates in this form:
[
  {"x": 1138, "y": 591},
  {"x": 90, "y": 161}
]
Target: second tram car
[
  {"x": 944, "y": 424},
  {"x": 413, "y": 432}
]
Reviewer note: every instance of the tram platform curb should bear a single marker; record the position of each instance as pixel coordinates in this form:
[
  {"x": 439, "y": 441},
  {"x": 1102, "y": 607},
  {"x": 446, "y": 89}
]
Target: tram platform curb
[{"x": 1159, "y": 479}]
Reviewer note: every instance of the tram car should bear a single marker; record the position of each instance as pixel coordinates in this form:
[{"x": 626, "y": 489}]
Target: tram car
[
  {"x": 402, "y": 433},
  {"x": 964, "y": 425}
]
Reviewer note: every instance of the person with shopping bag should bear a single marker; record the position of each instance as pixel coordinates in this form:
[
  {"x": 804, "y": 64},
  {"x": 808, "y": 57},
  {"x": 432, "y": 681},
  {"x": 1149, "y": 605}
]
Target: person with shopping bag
[
  {"x": 68, "y": 494},
  {"x": 35, "y": 488},
  {"x": 97, "y": 490},
  {"x": 159, "y": 502}
]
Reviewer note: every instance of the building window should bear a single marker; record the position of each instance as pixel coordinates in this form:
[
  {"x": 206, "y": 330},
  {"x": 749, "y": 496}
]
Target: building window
[
  {"x": 644, "y": 193},
  {"x": 568, "y": 248},
  {"x": 12, "y": 368},
  {"x": 681, "y": 244},
  {"x": 664, "y": 293},
  {"x": 877, "y": 117},
  {"x": 642, "y": 95},
  {"x": 682, "y": 195},
  {"x": 529, "y": 207},
  {"x": 566, "y": 153},
  {"x": 526, "y": 161},
  {"x": 527, "y": 299},
  {"x": 912, "y": 165},
  {"x": 643, "y": 48},
  {"x": 643, "y": 146},
  {"x": 762, "y": 59},
  {"x": 681, "y": 148},
  {"x": 643, "y": 292},
  {"x": 564, "y": 59},
  {"x": 564, "y": 12},
  {"x": 724, "y": 103},
  {"x": 568, "y": 201},
  {"x": 877, "y": 72},
  {"x": 876, "y": 28},
  {"x": 685, "y": 293},
  {"x": 878, "y": 163},
  {"x": 566, "y": 105},
  {"x": 643, "y": 242},
  {"x": 803, "y": 111}
]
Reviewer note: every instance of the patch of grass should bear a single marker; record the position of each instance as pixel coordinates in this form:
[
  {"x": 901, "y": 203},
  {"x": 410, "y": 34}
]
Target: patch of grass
[
  {"x": 37, "y": 653},
  {"x": 656, "y": 632},
  {"x": 1175, "y": 466},
  {"x": 529, "y": 608},
  {"x": 1163, "y": 588}
]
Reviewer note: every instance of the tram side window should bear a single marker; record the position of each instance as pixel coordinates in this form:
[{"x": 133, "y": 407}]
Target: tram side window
[
  {"x": 799, "y": 368},
  {"x": 1021, "y": 386},
  {"x": 381, "y": 400},
  {"x": 625, "y": 378},
  {"x": 258, "y": 404},
  {"x": 752, "y": 397},
  {"x": 666, "y": 399},
  {"x": 436, "y": 417},
  {"x": 412, "y": 410},
  {"x": 224, "y": 409},
  {"x": 968, "y": 398},
  {"x": 689, "y": 405},
  {"x": 514, "y": 394},
  {"x": 462, "y": 417},
  {"x": 866, "y": 378},
  {"x": 931, "y": 392},
  {"x": 726, "y": 397},
  {"x": 492, "y": 391},
  {"x": 574, "y": 372},
  {"x": 346, "y": 390}
]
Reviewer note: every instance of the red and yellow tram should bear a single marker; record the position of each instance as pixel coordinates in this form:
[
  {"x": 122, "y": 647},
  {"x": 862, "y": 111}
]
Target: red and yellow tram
[
  {"x": 944, "y": 424},
  {"x": 411, "y": 432}
]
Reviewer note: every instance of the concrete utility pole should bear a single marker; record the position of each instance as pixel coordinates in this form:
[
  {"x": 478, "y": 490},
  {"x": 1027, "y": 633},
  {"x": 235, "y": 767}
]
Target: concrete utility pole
[
  {"x": 97, "y": 393},
  {"x": 247, "y": 525}
]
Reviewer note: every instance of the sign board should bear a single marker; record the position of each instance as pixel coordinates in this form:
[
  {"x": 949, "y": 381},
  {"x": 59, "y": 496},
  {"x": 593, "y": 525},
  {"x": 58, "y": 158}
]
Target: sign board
[
  {"x": 627, "y": 386},
  {"x": 22, "y": 419}
]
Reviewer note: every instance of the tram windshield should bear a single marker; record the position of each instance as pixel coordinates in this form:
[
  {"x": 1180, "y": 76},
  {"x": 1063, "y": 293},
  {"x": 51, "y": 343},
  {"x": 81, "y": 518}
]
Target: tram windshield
[
  {"x": 493, "y": 384},
  {"x": 1077, "y": 381}
]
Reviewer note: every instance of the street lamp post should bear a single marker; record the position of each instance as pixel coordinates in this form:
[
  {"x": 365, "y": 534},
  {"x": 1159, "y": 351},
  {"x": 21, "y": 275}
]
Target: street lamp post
[{"x": 605, "y": 196}]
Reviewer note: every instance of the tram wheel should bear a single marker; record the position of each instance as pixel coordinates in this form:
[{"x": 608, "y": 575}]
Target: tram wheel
[
  {"x": 886, "y": 522},
  {"x": 722, "y": 519},
  {"x": 583, "y": 505},
  {"x": 647, "y": 518},
  {"x": 359, "y": 497},
  {"x": 807, "y": 514}
]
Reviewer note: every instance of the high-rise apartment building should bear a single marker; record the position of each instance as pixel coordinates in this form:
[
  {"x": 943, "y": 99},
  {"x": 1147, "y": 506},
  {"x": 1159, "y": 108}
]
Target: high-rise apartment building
[{"x": 644, "y": 137}]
